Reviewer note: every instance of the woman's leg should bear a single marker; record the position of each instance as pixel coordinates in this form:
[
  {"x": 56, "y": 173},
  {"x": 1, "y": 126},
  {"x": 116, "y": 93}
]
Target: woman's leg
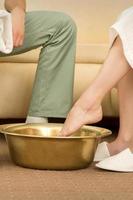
[
  {"x": 125, "y": 135},
  {"x": 88, "y": 108}
]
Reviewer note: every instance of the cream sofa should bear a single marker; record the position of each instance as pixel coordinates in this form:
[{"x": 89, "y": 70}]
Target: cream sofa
[{"x": 93, "y": 19}]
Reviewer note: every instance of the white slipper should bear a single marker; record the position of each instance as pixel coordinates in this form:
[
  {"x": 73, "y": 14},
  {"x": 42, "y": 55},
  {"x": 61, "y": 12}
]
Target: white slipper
[
  {"x": 102, "y": 152},
  {"x": 121, "y": 162}
]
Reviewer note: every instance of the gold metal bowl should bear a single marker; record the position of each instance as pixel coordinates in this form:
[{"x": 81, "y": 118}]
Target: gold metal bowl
[{"x": 39, "y": 146}]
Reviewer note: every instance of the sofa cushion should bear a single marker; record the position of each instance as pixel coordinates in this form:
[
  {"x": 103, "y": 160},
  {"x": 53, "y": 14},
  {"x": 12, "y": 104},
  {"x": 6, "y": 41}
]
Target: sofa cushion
[{"x": 17, "y": 81}]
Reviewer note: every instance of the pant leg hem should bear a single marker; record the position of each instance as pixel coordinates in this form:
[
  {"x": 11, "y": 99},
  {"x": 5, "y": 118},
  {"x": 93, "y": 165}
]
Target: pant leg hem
[{"x": 47, "y": 114}]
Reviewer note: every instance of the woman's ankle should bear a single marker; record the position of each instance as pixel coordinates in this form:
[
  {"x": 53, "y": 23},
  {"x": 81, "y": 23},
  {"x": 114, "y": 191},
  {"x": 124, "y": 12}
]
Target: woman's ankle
[
  {"x": 89, "y": 100},
  {"x": 124, "y": 139},
  {"x": 118, "y": 145}
]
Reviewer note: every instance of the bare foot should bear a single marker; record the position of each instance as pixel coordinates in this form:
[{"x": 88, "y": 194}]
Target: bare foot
[
  {"x": 80, "y": 115},
  {"x": 117, "y": 146}
]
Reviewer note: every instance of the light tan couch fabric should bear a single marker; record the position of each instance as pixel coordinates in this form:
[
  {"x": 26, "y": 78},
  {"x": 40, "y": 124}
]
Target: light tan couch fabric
[
  {"x": 86, "y": 53},
  {"x": 93, "y": 19}
]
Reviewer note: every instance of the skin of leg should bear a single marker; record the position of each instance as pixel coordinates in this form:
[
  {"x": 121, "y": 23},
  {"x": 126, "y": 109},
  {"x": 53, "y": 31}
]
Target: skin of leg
[
  {"x": 125, "y": 134},
  {"x": 55, "y": 32},
  {"x": 88, "y": 109}
]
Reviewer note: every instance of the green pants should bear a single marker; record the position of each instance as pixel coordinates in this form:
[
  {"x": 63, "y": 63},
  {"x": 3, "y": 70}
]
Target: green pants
[{"x": 53, "y": 86}]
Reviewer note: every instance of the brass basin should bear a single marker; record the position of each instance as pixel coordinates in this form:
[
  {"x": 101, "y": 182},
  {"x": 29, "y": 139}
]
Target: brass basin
[{"x": 39, "y": 146}]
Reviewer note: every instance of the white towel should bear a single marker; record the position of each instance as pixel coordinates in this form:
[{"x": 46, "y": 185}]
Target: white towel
[{"x": 6, "y": 38}]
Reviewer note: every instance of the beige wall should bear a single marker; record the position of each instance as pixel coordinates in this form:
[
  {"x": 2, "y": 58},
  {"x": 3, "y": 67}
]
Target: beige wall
[{"x": 93, "y": 17}]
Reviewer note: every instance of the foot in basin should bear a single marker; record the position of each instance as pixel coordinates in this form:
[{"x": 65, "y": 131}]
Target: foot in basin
[{"x": 87, "y": 110}]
